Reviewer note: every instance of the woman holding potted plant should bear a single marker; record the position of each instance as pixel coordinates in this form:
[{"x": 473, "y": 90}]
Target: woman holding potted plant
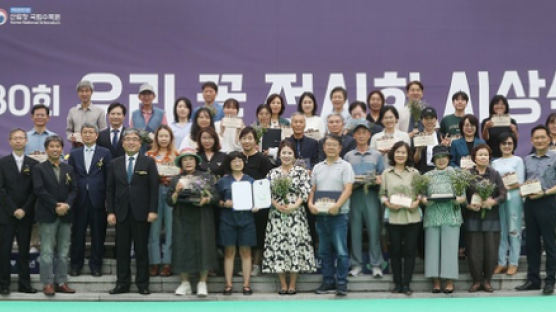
[{"x": 482, "y": 222}]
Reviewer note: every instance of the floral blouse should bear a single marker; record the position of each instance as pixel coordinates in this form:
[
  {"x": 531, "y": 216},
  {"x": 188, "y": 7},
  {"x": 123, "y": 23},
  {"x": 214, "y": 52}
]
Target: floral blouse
[{"x": 301, "y": 182}]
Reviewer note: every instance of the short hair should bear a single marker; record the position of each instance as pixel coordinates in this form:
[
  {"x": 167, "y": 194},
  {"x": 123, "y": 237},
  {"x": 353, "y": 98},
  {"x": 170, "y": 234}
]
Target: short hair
[
  {"x": 388, "y": 108},
  {"x": 294, "y": 114},
  {"x": 334, "y": 137},
  {"x": 540, "y": 127},
  {"x": 287, "y": 143},
  {"x": 505, "y": 135},
  {"x": 282, "y": 104},
  {"x": 187, "y": 103},
  {"x": 479, "y": 147},
  {"x": 209, "y": 84},
  {"x": 228, "y": 160},
  {"x": 392, "y": 152},
  {"x": 85, "y": 84},
  {"x": 335, "y": 115},
  {"x": 495, "y": 99},
  {"x": 261, "y": 107},
  {"x": 214, "y": 136},
  {"x": 232, "y": 103},
  {"x": 353, "y": 105},
  {"x": 460, "y": 94},
  {"x": 245, "y": 131},
  {"x": 339, "y": 89},
  {"x": 415, "y": 82},
  {"x": 115, "y": 105},
  {"x": 551, "y": 118},
  {"x": 380, "y": 94},
  {"x": 472, "y": 120},
  {"x": 300, "y": 102},
  {"x": 53, "y": 138},
  {"x": 195, "y": 127},
  {"x": 89, "y": 126},
  {"x": 131, "y": 131},
  {"x": 16, "y": 130},
  {"x": 40, "y": 106}
]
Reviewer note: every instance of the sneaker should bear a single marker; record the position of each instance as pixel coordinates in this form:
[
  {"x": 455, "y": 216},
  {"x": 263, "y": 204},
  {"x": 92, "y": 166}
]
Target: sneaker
[
  {"x": 377, "y": 272},
  {"x": 356, "y": 270},
  {"x": 325, "y": 289},
  {"x": 256, "y": 270},
  {"x": 183, "y": 289},
  {"x": 202, "y": 289},
  {"x": 341, "y": 291}
]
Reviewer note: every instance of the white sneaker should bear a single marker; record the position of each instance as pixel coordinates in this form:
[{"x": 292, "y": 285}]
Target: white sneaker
[
  {"x": 183, "y": 289},
  {"x": 202, "y": 289},
  {"x": 256, "y": 270},
  {"x": 377, "y": 272},
  {"x": 355, "y": 271}
]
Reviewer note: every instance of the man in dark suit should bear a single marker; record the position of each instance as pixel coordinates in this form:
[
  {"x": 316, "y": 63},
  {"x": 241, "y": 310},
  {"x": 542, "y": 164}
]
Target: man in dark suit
[
  {"x": 132, "y": 197},
  {"x": 90, "y": 166},
  {"x": 16, "y": 211},
  {"x": 307, "y": 149},
  {"x": 55, "y": 188},
  {"x": 111, "y": 137}
]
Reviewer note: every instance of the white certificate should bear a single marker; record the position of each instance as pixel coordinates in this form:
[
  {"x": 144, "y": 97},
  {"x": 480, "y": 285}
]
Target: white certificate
[
  {"x": 39, "y": 157},
  {"x": 232, "y": 122},
  {"x": 476, "y": 200},
  {"x": 510, "y": 179},
  {"x": 167, "y": 170},
  {"x": 385, "y": 143},
  {"x": 261, "y": 194},
  {"x": 313, "y": 134},
  {"x": 501, "y": 120},
  {"x": 286, "y": 132},
  {"x": 242, "y": 197},
  {"x": 324, "y": 204},
  {"x": 531, "y": 187},
  {"x": 401, "y": 200},
  {"x": 422, "y": 139},
  {"x": 466, "y": 162}
]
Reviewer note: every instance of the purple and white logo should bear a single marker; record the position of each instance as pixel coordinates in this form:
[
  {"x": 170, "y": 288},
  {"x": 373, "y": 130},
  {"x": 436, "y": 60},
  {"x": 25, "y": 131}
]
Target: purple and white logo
[{"x": 3, "y": 16}]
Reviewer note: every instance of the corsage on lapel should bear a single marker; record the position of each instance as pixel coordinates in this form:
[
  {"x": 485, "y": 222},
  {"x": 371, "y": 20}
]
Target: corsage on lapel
[
  {"x": 68, "y": 178},
  {"x": 141, "y": 172},
  {"x": 26, "y": 170},
  {"x": 100, "y": 163}
]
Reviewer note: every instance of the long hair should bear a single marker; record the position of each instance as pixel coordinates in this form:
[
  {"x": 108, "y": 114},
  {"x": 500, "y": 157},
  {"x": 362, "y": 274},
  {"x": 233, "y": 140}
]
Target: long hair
[{"x": 171, "y": 149}]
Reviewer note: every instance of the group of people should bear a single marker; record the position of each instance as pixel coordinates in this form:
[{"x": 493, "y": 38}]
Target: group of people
[{"x": 167, "y": 189}]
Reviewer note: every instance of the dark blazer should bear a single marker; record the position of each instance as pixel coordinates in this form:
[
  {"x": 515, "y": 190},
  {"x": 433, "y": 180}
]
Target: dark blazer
[
  {"x": 49, "y": 191},
  {"x": 459, "y": 149},
  {"x": 422, "y": 164},
  {"x": 93, "y": 182},
  {"x": 104, "y": 141},
  {"x": 141, "y": 195},
  {"x": 348, "y": 144},
  {"x": 308, "y": 149},
  {"x": 16, "y": 188}
]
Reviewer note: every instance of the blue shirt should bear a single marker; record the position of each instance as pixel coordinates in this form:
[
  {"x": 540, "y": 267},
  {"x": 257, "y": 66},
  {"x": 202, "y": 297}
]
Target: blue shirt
[
  {"x": 542, "y": 168},
  {"x": 35, "y": 141},
  {"x": 363, "y": 163}
]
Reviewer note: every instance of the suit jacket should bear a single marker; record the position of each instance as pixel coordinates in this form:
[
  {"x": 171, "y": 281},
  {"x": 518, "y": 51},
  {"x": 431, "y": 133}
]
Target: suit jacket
[
  {"x": 93, "y": 182},
  {"x": 50, "y": 192},
  {"x": 308, "y": 149},
  {"x": 104, "y": 141},
  {"x": 140, "y": 196},
  {"x": 16, "y": 188}
]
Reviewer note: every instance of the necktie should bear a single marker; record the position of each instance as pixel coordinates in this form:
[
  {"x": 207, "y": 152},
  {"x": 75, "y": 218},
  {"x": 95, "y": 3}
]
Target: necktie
[
  {"x": 130, "y": 169},
  {"x": 115, "y": 137},
  {"x": 88, "y": 158}
]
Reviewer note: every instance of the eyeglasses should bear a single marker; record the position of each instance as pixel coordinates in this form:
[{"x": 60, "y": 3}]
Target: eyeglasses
[{"x": 506, "y": 143}]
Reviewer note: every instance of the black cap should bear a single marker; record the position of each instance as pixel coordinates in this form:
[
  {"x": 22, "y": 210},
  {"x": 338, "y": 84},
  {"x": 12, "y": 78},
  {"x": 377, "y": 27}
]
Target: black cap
[
  {"x": 428, "y": 112},
  {"x": 439, "y": 151}
]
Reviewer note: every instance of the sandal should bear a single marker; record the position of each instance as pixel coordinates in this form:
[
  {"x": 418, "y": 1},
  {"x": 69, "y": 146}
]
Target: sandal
[
  {"x": 283, "y": 292},
  {"x": 292, "y": 292},
  {"x": 227, "y": 291},
  {"x": 247, "y": 291}
]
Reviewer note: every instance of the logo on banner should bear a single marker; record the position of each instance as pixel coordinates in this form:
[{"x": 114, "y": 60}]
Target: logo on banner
[{"x": 3, "y": 16}]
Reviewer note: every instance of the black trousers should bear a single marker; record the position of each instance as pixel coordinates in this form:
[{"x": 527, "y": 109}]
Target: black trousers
[
  {"x": 540, "y": 220},
  {"x": 137, "y": 232},
  {"x": 86, "y": 215},
  {"x": 482, "y": 253},
  {"x": 21, "y": 230},
  {"x": 403, "y": 249}
]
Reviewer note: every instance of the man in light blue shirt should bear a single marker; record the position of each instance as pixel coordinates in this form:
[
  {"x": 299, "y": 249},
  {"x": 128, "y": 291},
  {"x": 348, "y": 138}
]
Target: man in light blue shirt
[
  {"x": 210, "y": 90},
  {"x": 40, "y": 114}
]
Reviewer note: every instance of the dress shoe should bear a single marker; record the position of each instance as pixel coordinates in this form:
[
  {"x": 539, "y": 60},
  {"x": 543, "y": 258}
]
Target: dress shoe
[
  {"x": 48, "y": 290},
  {"x": 144, "y": 291},
  {"x": 153, "y": 270},
  {"x": 75, "y": 272},
  {"x": 4, "y": 291},
  {"x": 528, "y": 286},
  {"x": 548, "y": 289},
  {"x": 119, "y": 289},
  {"x": 397, "y": 289},
  {"x": 166, "y": 270},
  {"x": 27, "y": 289},
  {"x": 407, "y": 291},
  {"x": 64, "y": 288},
  {"x": 500, "y": 269},
  {"x": 512, "y": 269},
  {"x": 96, "y": 273},
  {"x": 474, "y": 288},
  {"x": 487, "y": 287}
]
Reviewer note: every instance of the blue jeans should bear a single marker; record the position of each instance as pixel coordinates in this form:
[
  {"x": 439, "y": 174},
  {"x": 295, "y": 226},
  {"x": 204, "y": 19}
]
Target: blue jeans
[
  {"x": 164, "y": 216},
  {"x": 511, "y": 212},
  {"x": 332, "y": 232},
  {"x": 55, "y": 243}
]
